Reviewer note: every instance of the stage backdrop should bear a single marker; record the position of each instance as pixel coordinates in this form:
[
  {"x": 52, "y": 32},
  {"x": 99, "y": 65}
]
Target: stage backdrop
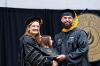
[
  {"x": 12, "y": 26},
  {"x": 51, "y": 4}
]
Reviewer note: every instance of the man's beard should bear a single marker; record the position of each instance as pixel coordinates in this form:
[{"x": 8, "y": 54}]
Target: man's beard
[{"x": 67, "y": 26}]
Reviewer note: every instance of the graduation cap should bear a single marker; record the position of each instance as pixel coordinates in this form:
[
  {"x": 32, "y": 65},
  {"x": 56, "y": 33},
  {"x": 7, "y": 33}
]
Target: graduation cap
[
  {"x": 68, "y": 12},
  {"x": 32, "y": 19}
]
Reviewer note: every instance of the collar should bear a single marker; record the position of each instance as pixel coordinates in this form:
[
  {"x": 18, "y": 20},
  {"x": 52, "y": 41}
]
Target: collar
[{"x": 73, "y": 26}]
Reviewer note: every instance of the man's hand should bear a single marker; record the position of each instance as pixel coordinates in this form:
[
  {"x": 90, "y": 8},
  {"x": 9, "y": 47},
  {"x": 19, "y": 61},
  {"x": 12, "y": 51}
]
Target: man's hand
[
  {"x": 55, "y": 63},
  {"x": 61, "y": 57}
]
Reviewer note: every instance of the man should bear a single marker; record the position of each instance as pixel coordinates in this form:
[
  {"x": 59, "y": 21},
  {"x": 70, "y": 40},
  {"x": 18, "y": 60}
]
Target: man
[{"x": 72, "y": 42}]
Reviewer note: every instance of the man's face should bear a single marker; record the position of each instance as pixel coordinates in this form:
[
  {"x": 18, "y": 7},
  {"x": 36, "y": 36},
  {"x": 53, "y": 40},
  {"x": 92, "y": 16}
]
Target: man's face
[{"x": 67, "y": 21}]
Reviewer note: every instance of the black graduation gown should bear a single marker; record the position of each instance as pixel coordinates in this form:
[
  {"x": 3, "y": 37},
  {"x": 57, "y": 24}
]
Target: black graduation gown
[
  {"x": 74, "y": 44},
  {"x": 31, "y": 54}
]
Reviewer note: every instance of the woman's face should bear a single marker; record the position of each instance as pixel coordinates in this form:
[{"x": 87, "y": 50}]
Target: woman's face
[{"x": 34, "y": 28}]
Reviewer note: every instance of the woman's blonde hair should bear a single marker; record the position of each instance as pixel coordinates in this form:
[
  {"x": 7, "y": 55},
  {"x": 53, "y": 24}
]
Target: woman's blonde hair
[
  {"x": 42, "y": 40},
  {"x": 37, "y": 37}
]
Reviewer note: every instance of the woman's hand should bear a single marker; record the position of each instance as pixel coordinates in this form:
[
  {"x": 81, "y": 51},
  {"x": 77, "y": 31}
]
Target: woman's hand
[
  {"x": 61, "y": 57},
  {"x": 55, "y": 63}
]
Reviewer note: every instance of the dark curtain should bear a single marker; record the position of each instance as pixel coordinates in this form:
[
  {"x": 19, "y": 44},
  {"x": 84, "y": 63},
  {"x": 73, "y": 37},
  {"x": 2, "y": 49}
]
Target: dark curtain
[{"x": 12, "y": 26}]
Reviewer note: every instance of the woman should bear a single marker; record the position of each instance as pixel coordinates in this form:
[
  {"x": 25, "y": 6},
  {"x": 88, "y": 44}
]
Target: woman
[
  {"x": 32, "y": 52},
  {"x": 46, "y": 42}
]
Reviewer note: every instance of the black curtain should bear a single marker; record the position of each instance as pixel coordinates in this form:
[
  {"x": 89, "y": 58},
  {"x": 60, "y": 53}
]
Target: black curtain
[{"x": 12, "y": 26}]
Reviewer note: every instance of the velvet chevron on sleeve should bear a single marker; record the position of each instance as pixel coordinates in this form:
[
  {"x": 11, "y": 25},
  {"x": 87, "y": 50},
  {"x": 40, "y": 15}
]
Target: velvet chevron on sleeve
[{"x": 33, "y": 55}]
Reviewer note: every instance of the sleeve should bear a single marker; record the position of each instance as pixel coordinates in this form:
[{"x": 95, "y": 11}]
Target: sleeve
[
  {"x": 35, "y": 57},
  {"x": 81, "y": 51}
]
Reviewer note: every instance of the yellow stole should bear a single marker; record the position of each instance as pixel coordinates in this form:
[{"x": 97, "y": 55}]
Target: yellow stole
[{"x": 73, "y": 26}]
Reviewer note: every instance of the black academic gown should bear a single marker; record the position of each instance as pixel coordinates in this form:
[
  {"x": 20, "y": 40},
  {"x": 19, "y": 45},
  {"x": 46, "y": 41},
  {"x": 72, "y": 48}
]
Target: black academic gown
[
  {"x": 74, "y": 44},
  {"x": 32, "y": 54}
]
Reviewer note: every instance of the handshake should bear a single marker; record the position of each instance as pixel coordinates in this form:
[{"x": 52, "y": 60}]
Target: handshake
[{"x": 58, "y": 59}]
